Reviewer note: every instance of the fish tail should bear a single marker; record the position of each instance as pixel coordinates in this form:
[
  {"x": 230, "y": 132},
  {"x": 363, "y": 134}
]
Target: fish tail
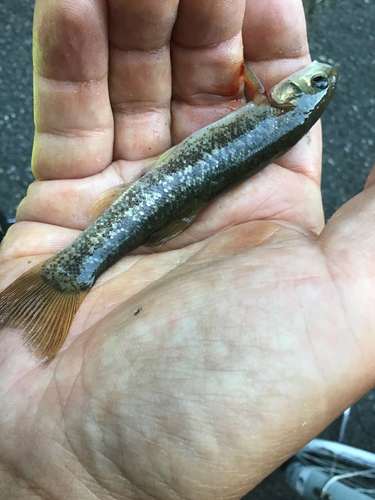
[{"x": 39, "y": 311}]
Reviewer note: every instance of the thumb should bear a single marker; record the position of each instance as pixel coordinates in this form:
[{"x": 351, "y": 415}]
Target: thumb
[
  {"x": 349, "y": 235},
  {"x": 348, "y": 243}
]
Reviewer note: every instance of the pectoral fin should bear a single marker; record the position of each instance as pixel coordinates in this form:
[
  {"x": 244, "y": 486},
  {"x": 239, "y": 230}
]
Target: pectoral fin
[
  {"x": 180, "y": 223},
  {"x": 255, "y": 87}
]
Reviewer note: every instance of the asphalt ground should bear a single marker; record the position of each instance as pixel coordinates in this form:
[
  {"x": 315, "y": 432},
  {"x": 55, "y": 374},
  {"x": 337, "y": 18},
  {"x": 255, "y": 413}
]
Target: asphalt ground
[{"x": 341, "y": 32}]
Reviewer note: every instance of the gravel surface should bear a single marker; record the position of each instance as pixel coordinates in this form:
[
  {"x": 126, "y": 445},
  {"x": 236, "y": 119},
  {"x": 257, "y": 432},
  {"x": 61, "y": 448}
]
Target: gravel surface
[
  {"x": 341, "y": 32},
  {"x": 345, "y": 37},
  {"x": 16, "y": 102}
]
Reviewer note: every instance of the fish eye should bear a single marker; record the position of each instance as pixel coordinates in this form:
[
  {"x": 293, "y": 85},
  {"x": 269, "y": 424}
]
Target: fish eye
[{"x": 319, "y": 82}]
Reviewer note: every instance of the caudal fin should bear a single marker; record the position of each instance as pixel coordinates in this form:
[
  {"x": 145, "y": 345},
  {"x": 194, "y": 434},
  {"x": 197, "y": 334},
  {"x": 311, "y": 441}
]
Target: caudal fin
[{"x": 42, "y": 314}]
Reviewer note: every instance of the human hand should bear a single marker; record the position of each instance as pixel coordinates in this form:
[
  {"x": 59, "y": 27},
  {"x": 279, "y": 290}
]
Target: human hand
[{"x": 191, "y": 372}]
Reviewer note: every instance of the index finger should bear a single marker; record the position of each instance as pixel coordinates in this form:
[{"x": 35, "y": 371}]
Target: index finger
[
  {"x": 275, "y": 38},
  {"x": 73, "y": 117}
]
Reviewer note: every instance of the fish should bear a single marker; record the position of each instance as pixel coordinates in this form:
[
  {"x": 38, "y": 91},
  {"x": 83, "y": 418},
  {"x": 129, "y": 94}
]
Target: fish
[{"x": 42, "y": 302}]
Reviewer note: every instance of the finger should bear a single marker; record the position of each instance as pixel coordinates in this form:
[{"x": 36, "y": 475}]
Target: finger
[
  {"x": 349, "y": 234},
  {"x": 140, "y": 75},
  {"x": 275, "y": 46},
  {"x": 73, "y": 118},
  {"x": 348, "y": 244},
  {"x": 274, "y": 31},
  {"x": 207, "y": 62}
]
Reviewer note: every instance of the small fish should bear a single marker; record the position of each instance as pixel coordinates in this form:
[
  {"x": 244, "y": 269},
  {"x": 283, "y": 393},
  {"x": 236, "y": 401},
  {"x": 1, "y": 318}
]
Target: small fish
[{"x": 42, "y": 302}]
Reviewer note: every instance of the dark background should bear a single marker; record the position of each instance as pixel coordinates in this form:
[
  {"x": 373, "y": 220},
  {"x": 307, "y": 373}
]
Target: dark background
[{"x": 341, "y": 32}]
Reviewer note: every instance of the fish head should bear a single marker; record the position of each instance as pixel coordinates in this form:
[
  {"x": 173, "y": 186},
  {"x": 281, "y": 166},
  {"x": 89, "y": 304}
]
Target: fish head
[{"x": 313, "y": 85}]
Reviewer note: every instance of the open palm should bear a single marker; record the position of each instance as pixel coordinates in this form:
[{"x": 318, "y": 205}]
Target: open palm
[{"x": 193, "y": 371}]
